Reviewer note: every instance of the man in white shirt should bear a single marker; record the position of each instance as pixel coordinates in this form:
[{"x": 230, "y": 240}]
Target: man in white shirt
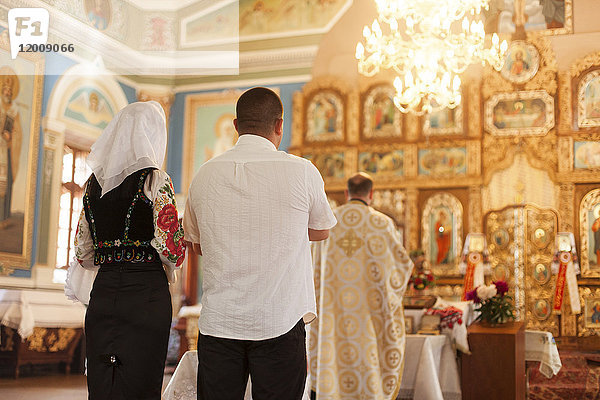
[{"x": 251, "y": 212}]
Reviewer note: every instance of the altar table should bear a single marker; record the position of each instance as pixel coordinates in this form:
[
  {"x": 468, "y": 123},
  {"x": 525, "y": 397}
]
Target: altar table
[
  {"x": 430, "y": 372},
  {"x": 38, "y": 327}
]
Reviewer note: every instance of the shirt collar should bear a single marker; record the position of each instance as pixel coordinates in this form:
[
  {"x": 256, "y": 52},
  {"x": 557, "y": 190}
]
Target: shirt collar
[
  {"x": 255, "y": 141},
  {"x": 355, "y": 201}
]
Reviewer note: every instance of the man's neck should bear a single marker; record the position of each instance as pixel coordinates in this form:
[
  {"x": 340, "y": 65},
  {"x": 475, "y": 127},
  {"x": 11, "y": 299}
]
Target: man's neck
[{"x": 358, "y": 200}]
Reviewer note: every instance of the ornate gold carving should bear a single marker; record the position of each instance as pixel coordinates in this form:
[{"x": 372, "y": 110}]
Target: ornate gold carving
[
  {"x": 455, "y": 291},
  {"x": 392, "y": 203},
  {"x": 582, "y": 64},
  {"x": 585, "y": 325},
  {"x": 502, "y": 224},
  {"x": 474, "y": 111},
  {"x": 499, "y": 153},
  {"x": 411, "y": 161},
  {"x": 475, "y": 209},
  {"x": 474, "y": 158},
  {"x": 456, "y": 208},
  {"x": 588, "y": 202},
  {"x": 412, "y": 216},
  {"x": 565, "y": 113},
  {"x": 164, "y": 99},
  {"x": 565, "y": 154},
  {"x": 50, "y": 340},
  {"x": 349, "y": 168},
  {"x": 8, "y": 340},
  {"x": 539, "y": 250},
  {"x": 411, "y": 127},
  {"x": 566, "y": 199},
  {"x": 297, "y": 121}
]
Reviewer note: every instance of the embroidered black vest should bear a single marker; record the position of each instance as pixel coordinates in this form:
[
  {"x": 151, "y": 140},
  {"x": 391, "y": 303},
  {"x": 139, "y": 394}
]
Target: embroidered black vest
[{"x": 121, "y": 222}]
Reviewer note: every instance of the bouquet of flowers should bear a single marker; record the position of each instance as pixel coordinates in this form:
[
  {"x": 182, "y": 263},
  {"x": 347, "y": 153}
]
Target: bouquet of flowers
[
  {"x": 494, "y": 304},
  {"x": 421, "y": 278}
]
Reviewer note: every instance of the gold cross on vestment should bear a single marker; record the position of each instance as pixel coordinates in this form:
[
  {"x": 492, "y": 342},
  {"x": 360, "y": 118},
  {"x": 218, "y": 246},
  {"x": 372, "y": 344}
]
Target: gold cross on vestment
[{"x": 350, "y": 242}]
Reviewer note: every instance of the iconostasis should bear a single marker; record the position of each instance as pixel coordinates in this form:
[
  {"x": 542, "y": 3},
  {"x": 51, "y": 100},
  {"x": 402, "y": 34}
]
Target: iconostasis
[{"x": 518, "y": 160}]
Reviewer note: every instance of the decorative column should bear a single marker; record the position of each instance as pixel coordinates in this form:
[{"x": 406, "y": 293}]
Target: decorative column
[
  {"x": 165, "y": 98},
  {"x": 566, "y": 210},
  {"x": 475, "y": 209},
  {"x": 412, "y": 213}
]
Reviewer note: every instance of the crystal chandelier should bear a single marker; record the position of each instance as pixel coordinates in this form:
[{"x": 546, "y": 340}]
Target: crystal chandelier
[{"x": 428, "y": 43}]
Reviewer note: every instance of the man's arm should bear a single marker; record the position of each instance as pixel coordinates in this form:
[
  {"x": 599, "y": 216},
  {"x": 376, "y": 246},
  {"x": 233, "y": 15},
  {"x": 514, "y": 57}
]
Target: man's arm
[{"x": 315, "y": 235}]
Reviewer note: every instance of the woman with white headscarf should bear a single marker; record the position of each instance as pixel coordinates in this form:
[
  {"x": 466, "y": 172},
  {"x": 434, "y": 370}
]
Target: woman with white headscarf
[{"x": 130, "y": 230}]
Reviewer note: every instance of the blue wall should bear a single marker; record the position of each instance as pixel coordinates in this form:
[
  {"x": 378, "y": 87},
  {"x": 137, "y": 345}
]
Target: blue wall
[{"x": 175, "y": 152}]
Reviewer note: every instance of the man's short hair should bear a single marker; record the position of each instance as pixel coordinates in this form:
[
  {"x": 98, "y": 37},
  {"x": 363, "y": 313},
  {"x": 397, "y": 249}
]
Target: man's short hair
[
  {"x": 257, "y": 110},
  {"x": 360, "y": 184}
]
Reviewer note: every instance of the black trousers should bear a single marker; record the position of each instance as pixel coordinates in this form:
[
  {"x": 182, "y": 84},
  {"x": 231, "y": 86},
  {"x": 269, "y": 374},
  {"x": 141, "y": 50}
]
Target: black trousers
[{"x": 277, "y": 367}]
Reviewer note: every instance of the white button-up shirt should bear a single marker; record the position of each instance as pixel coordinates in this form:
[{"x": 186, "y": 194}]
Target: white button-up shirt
[{"x": 250, "y": 209}]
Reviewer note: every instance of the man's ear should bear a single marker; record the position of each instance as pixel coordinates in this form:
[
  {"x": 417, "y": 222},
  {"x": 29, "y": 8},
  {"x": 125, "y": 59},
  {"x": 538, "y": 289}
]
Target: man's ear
[
  {"x": 236, "y": 125},
  {"x": 346, "y": 194},
  {"x": 278, "y": 127}
]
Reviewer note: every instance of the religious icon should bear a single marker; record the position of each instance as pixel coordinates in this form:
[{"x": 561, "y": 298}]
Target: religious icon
[
  {"x": 325, "y": 117},
  {"x": 500, "y": 238},
  {"x": 98, "y": 13},
  {"x": 501, "y": 273},
  {"x": 588, "y": 100},
  {"x": 519, "y": 113},
  {"x": 541, "y": 274},
  {"x": 542, "y": 309},
  {"x": 587, "y": 154},
  {"x": 545, "y": 16},
  {"x": 589, "y": 225},
  {"x": 408, "y": 324},
  {"x": 443, "y": 237},
  {"x": 592, "y": 312},
  {"x": 521, "y": 62},
  {"x": 442, "y": 232},
  {"x": 382, "y": 163},
  {"x": 443, "y": 161},
  {"x": 381, "y": 117},
  {"x": 540, "y": 238},
  {"x": 225, "y": 134},
  {"x": 21, "y": 85},
  {"x": 330, "y": 165},
  {"x": 90, "y": 107},
  {"x": 447, "y": 121},
  {"x": 596, "y": 232}
]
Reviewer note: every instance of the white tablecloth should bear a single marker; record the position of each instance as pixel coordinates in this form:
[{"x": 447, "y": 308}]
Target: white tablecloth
[
  {"x": 25, "y": 309},
  {"x": 430, "y": 369},
  {"x": 540, "y": 346},
  {"x": 430, "y": 372}
]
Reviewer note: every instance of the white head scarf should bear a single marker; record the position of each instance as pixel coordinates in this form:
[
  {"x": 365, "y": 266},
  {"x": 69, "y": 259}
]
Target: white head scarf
[{"x": 135, "y": 139}]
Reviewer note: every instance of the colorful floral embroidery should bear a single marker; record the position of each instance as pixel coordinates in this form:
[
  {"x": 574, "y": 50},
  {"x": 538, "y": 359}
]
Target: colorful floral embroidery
[{"x": 168, "y": 229}]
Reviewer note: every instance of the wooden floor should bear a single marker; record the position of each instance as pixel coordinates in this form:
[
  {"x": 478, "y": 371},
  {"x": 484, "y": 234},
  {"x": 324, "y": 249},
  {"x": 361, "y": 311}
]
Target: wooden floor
[{"x": 54, "y": 387}]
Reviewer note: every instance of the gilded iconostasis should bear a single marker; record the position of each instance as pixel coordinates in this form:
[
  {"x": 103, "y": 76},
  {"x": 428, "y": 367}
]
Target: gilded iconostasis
[{"x": 518, "y": 160}]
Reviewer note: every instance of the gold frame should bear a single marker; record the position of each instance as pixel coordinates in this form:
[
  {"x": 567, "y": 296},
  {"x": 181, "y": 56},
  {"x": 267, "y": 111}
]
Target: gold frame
[
  {"x": 366, "y": 100},
  {"x": 350, "y": 162},
  {"x": 339, "y": 134},
  {"x": 582, "y": 121},
  {"x": 535, "y": 57},
  {"x": 408, "y": 161},
  {"x": 192, "y": 103},
  {"x": 458, "y": 130},
  {"x": 520, "y": 95},
  {"x": 12, "y": 261},
  {"x": 452, "y": 202},
  {"x": 585, "y": 294},
  {"x": 591, "y": 197}
]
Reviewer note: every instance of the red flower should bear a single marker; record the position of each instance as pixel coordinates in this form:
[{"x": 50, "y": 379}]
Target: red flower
[
  {"x": 472, "y": 295},
  {"x": 501, "y": 287},
  {"x": 167, "y": 219},
  {"x": 430, "y": 278},
  {"x": 418, "y": 281}
]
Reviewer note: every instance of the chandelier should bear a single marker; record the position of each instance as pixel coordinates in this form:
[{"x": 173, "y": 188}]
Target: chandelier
[{"x": 428, "y": 43}]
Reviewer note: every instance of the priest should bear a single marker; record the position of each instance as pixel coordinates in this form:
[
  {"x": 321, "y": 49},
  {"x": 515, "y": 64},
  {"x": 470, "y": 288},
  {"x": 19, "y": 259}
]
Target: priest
[{"x": 357, "y": 350}]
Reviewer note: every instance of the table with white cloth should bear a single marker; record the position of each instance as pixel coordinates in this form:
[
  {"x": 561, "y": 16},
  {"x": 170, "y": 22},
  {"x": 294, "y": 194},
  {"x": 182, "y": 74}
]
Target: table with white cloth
[
  {"x": 540, "y": 346},
  {"x": 38, "y": 327},
  {"x": 430, "y": 372}
]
